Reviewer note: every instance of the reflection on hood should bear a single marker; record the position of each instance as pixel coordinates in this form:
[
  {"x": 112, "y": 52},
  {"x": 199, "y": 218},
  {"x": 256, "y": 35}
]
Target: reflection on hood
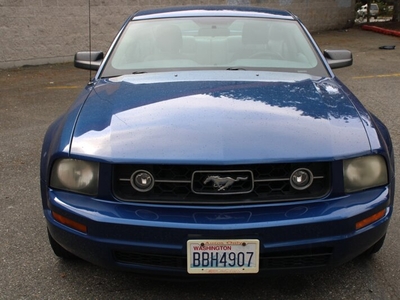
[{"x": 223, "y": 121}]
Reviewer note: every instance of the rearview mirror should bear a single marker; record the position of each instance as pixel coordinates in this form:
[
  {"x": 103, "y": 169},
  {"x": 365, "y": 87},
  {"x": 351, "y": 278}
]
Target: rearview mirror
[
  {"x": 338, "y": 58},
  {"x": 88, "y": 60}
]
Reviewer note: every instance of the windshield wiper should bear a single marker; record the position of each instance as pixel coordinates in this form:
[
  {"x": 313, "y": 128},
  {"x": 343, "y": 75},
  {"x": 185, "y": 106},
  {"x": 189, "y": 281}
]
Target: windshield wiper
[
  {"x": 236, "y": 69},
  {"x": 139, "y": 72}
]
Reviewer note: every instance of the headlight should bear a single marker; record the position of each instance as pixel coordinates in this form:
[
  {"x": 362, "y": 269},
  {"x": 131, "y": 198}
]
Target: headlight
[
  {"x": 364, "y": 172},
  {"x": 75, "y": 175}
]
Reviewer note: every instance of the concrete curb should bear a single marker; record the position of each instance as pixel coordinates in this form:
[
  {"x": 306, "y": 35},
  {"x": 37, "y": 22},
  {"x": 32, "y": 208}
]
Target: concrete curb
[{"x": 381, "y": 30}]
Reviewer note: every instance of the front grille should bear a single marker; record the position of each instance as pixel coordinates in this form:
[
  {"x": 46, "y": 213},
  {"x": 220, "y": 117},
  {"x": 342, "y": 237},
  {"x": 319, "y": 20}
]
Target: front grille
[
  {"x": 168, "y": 261},
  {"x": 299, "y": 259},
  {"x": 251, "y": 183},
  {"x": 308, "y": 258}
]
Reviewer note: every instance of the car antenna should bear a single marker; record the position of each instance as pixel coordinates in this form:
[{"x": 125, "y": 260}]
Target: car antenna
[{"x": 90, "y": 45}]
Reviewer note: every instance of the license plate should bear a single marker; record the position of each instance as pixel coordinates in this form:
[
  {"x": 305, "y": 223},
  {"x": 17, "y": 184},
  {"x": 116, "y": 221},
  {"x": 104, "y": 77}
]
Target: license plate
[{"x": 222, "y": 256}]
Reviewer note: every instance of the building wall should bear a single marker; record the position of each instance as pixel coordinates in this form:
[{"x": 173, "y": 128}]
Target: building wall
[{"x": 50, "y": 31}]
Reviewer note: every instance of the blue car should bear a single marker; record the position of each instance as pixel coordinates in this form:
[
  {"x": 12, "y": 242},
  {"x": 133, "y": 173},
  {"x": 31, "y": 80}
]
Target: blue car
[{"x": 216, "y": 141}]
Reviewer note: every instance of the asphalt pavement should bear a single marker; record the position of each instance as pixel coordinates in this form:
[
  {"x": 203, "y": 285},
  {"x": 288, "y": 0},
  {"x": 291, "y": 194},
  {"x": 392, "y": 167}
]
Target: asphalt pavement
[{"x": 32, "y": 97}]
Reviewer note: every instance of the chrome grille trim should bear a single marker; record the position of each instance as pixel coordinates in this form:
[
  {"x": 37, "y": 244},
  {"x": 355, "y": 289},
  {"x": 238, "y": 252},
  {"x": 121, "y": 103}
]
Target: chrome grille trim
[
  {"x": 161, "y": 181},
  {"x": 283, "y": 179}
]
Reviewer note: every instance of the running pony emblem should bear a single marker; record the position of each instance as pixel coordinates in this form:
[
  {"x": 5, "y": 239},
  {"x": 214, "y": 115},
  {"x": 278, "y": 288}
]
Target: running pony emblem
[{"x": 222, "y": 183}]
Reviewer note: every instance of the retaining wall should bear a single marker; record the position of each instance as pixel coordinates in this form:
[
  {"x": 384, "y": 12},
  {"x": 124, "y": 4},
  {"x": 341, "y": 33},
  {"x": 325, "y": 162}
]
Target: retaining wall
[{"x": 50, "y": 31}]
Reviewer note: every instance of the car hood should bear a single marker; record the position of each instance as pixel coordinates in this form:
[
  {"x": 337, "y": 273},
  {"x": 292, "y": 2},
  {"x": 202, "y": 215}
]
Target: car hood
[{"x": 285, "y": 118}]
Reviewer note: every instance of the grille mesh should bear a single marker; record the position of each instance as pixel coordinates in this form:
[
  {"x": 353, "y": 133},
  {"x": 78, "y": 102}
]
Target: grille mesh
[
  {"x": 177, "y": 184},
  {"x": 308, "y": 258}
]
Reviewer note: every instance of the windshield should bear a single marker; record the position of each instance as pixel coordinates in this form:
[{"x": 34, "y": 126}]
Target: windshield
[{"x": 213, "y": 43}]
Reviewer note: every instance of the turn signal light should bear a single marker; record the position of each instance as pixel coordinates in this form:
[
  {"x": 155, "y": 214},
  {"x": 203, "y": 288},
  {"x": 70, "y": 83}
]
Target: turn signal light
[
  {"x": 371, "y": 219},
  {"x": 68, "y": 222}
]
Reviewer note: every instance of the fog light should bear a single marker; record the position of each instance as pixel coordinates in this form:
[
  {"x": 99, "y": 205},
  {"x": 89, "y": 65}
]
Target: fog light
[
  {"x": 68, "y": 222},
  {"x": 142, "y": 181},
  {"x": 301, "y": 179},
  {"x": 371, "y": 219}
]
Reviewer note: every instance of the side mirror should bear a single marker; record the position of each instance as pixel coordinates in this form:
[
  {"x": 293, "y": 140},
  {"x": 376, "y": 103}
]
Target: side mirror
[
  {"x": 88, "y": 60},
  {"x": 338, "y": 58}
]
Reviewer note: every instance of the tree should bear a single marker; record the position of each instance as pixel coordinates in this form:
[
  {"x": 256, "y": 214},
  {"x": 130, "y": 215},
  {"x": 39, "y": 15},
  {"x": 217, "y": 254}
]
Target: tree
[{"x": 396, "y": 12}]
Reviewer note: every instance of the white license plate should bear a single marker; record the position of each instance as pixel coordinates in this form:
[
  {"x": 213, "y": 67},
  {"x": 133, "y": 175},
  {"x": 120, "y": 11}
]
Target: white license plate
[{"x": 222, "y": 256}]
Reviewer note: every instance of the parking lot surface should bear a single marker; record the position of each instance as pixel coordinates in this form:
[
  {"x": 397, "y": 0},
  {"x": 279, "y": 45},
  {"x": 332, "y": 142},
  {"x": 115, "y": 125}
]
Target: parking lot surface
[{"x": 32, "y": 97}]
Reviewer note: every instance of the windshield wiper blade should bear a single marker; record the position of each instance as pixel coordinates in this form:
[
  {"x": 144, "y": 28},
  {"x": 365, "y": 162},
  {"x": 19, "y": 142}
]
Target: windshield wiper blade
[
  {"x": 139, "y": 72},
  {"x": 236, "y": 69}
]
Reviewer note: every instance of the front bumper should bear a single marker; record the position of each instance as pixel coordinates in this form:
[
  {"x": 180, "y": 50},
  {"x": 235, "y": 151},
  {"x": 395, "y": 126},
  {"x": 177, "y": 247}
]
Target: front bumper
[{"x": 295, "y": 236}]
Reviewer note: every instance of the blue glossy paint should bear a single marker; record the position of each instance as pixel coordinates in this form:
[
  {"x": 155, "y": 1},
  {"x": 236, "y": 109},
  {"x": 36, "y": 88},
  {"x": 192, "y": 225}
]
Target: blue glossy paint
[
  {"x": 164, "y": 230},
  {"x": 201, "y": 121},
  {"x": 203, "y": 11}
]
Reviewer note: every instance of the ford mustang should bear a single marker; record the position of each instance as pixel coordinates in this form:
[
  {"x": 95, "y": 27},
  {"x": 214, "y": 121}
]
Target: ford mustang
[{"x": 216, "y": 140}]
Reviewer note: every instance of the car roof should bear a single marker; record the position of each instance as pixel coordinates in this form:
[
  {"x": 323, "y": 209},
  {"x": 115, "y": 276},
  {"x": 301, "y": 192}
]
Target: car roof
[{"x": 205, "y": 11}]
